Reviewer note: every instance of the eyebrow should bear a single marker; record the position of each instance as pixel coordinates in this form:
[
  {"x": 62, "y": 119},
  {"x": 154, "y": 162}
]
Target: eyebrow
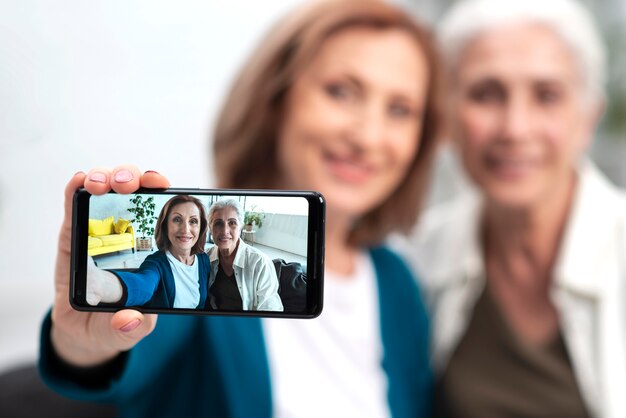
[
  {"x": 394, "y": 94},
  {"x": 354, "y": 80},
  {"x": 180, "y": 214}
]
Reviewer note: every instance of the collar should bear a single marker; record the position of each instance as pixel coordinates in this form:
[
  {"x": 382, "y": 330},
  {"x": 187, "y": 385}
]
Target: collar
[
  {"x": 597, "y": 210},
  {"x": 240, "y": 256},
  {"x": 596, "y": 213}
]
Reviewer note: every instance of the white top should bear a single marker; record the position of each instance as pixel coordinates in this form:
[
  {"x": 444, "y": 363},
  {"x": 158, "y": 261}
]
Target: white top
[
  {"x": 588, "y": 288},
  {"x": 186, "y": 282},
  {"x": 331, "y": 366},
  {"x": 255, "y": 275}
]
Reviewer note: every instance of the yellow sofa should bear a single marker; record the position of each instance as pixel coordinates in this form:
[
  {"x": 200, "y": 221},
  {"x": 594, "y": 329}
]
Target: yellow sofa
[{"x": 107, "y": 236}]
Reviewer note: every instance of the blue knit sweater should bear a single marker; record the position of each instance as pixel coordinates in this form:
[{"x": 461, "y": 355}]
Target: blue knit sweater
[{"x": 209, "y": 366}]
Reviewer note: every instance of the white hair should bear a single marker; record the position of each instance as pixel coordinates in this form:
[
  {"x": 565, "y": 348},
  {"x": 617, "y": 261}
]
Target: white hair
[
  {"x": 226, "y": 203},
  {"x": 567, "y": 18}
]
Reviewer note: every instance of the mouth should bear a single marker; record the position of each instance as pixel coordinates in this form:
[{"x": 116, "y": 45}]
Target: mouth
[
  {"x": 184, "y": 238},
  {"x": 511, "y": 167},
  {"x": 349, "y": 169}
]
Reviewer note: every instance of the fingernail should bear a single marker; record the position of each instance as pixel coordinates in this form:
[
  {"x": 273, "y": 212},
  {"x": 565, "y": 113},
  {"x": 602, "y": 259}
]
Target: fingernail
[
  {"x": 123, "y": 176},
  {"x": 131, "y": 325},
  {"x": 98, "y": 177},
  {"x": 151, "y": 171}
]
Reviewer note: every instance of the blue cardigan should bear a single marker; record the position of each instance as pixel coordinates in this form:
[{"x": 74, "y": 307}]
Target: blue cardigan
[
  {"x": 209, "y": 366},
  {"x": 152, "y": 285}
]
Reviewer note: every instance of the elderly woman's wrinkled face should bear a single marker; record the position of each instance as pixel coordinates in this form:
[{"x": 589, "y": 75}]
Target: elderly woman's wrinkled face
[
  {"x": 183, "y": 227},
  {"x": 353, "y": 118},
  {"x": 225, "y": 228},
  {"x": 519, "y": 114}
]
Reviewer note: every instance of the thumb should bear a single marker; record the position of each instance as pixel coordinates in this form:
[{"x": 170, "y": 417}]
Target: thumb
[{"x": 130, "y": 326}]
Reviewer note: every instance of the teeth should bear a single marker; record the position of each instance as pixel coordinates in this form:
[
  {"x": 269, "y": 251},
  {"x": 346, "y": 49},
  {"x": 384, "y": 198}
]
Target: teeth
[{"x": 511, "y": 163}]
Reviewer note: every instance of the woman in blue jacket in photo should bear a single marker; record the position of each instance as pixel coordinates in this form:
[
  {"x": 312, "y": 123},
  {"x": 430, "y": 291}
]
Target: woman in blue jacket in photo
[
  {"x": 343, "y": 98},
  {"x": 175, "y": 276}
]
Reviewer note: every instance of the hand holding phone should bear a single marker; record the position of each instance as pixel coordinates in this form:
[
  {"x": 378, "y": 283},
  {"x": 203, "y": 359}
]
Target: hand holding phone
[{"x": 82, "y": 338}]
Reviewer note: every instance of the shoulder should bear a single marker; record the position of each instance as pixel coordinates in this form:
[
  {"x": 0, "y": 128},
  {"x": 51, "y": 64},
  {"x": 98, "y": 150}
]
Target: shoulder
[
  {"x": 157, "y": 255},
  {"x": 203, "y": 256},
  {"x": 444, "y": 222},
  {"x": 157, "y": 258},
  {"x": 204, "y": 260},
  {"x": 444, "y": 240},
  {"x": 596, "y": 189},
  {"x": 253, "y": 255},
  {"x": 213, "y": 254},
  {"x": 390, "y": 270},
  {"x": 384, "y": 258},
  {"x": 404, "y": 321}
]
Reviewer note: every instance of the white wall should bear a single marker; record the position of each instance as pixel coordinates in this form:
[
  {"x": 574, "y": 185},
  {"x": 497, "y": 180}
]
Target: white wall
[
  {"x": 284, "y": 232},
  {"x": 88, "y": 83}
]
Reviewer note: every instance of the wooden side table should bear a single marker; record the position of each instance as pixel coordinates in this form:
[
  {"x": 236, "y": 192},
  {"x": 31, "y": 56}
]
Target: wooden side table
[{"x": 248, "y": 236}]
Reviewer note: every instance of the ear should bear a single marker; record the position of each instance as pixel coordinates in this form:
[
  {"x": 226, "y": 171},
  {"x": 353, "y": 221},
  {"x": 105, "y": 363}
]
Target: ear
[{"x": 593, "y": 115}]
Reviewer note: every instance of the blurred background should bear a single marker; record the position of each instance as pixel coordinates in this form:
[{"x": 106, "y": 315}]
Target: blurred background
[{"x": 99, "y": 83}]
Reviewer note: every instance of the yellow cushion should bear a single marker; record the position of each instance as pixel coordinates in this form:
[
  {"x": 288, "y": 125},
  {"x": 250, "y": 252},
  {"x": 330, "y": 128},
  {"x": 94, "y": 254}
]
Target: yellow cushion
[
  {"x": 121, "y": 225},
  {"x": 94, "y": 243},
  {"x": 98, "y": 227},
  {"x": 115, "y": 239}
]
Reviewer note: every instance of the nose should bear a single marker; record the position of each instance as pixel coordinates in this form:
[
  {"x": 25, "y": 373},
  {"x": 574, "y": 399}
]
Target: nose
[
  {"x": 369, "y": 126},
  {"x": 517, "y": 119}
]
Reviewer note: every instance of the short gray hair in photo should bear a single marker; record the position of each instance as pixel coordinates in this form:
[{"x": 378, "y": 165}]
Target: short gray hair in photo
[{"x": 227, "y": 203}]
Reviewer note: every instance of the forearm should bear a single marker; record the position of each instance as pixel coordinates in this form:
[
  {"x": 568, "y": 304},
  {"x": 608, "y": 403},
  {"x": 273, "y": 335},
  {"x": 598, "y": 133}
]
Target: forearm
[
  {"x": 102, "y": 286},
  {"x": 66, "y": 347},
  {"x": 84, "y": 382}
]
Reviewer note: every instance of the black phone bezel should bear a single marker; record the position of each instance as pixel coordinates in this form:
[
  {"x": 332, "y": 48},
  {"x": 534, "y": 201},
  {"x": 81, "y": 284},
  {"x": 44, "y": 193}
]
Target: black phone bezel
[{"x": 315, "y": 253}]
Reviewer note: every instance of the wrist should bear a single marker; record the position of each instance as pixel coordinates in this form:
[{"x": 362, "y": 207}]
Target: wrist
[{"x": 67, "y": 349}]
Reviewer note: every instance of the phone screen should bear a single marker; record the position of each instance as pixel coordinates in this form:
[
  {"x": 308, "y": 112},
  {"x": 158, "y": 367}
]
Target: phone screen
[{"x": 226, "y": 252}]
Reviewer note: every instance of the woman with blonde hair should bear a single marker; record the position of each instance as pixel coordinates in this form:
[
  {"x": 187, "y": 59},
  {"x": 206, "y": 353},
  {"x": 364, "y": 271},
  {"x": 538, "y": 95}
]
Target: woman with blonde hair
[{"x": 342, "y": 98}]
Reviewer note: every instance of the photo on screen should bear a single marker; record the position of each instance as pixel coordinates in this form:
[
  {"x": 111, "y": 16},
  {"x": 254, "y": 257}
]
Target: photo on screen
[{"x": 213, "y": 252}]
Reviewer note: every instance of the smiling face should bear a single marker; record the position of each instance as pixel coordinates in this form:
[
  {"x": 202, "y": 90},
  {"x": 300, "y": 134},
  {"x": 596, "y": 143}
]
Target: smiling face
[
  {"x": 183, "y": 227},
  {"x": 225, "y": 228},
  {"x": 353, "y": 118},
  {"x": 520, "y": 118}
]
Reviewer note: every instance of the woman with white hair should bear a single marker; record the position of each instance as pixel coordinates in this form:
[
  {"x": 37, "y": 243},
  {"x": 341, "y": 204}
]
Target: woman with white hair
[
  {"x": 526, "y": 273},
  {"x": 242, "y": 277}
]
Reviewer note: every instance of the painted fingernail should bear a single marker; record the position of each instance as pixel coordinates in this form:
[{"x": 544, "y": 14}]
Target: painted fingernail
[
  {"x": 123, "y": 176},
  {"x": 131, "y": 325},
  {"x": 98, "y": 177}
]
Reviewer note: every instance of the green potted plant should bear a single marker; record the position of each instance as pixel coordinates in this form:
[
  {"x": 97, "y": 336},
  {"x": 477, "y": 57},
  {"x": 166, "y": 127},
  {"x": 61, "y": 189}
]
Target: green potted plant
[
  {"x": 253, "y": 217},
  {"x": 143, "y": 211}
]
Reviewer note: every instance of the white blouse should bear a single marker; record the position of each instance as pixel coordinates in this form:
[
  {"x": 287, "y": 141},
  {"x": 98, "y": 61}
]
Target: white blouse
[{"x": 331, "y": 366}]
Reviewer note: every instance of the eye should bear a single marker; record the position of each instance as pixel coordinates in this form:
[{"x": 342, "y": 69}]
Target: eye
[
  {"x": 218, "y": 223},
  {"x": 548, "y": 95},
  {"x": 177, "y": 219},
  {"x": 193, "y": 221},
  {"x": 400, "y": 110},
  {"x": 232, "y": 223},
  {"x": 486, "y": 93},
  {"x": 339, "y": 91}
]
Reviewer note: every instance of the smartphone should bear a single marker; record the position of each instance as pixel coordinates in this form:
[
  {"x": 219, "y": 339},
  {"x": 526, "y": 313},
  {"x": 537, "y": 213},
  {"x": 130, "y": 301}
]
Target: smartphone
[{"x": 193, "y": 251}]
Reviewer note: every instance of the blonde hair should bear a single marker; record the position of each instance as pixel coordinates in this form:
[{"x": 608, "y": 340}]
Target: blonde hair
[{"x": 246, "y": 134}]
